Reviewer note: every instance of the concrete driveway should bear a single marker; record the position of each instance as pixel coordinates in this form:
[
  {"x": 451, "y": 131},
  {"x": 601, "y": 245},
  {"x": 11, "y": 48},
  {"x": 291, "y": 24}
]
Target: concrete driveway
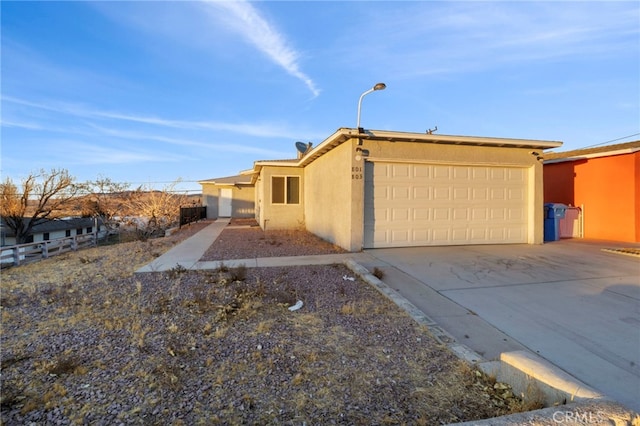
[{"x": 568, "y": 301}]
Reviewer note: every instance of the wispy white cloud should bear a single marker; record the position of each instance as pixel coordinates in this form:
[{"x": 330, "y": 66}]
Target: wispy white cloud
[
  {"x": 265, "y": 37},
  {"x": 4, "y": 122},
  {"x": 458, "y": 37},
  {"x": 93, "y": 154},
  {"x": 224, "y": 147},
  {"x": 262, "y": 130}
]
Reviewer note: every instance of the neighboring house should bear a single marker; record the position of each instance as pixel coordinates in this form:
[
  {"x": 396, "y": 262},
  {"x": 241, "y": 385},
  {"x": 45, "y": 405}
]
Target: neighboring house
[
  {"x": 604, "y": 182},
  {"x": 376, "y": 189},
  {"x": 54, "y": 229},
  {"x": 231, "y": 196}
]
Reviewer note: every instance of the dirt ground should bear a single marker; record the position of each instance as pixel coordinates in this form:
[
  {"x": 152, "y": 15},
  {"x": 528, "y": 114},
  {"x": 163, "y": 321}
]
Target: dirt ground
[{"x": 86, "y": 341}]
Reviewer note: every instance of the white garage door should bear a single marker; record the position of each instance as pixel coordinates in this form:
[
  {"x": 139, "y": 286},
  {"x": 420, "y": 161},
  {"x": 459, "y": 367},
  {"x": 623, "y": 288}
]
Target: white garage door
[{"x": 432, "y": 204}]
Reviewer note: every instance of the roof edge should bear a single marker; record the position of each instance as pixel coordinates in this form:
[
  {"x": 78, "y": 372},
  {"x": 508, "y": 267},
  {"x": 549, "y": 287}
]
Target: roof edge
[
  {"x": 344, "y": 133},
  {"x": 592, "y": 155}
]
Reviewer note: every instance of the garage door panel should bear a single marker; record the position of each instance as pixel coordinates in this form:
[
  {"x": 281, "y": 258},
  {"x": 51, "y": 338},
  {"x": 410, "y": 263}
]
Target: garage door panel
[
  {"x": 479, "y": 234},
  {"x": 461, "y": 194},
  {"x": 421, "y": 193},
  {"x": 441, "y": 172},
  {"x": 400, "y": 236},
  {"x": 460, "y": 236},
  {"x": 422, "y": 204},
  {"x": 381, "y": 192},
  {"x": 496, "y": 214},
  {"x": 441, "y": 214},
  {"x": 441, "y": 236},
  {"x": 421, "y": 171},
  {"x": 479, "y": 214},
  {"x": 400, "y": 171},
  {"x": 515, "y": 194},
  {"x": 496, "y": 194},
  {"x": 460, "y": 173},
  {"x": 479, "y": 194},
  {"x": 479, "y": 173},
  {"x": 460, "y": 214},
  {"x": 443, "y": 194},
  {"x": 515, "y": 214},
  {"x": 421, "y": 214},
  {"x": 497, "y": 174},
  {"x": 421, "y": 235},
  {"x": 400, "y": 214},
  {"x": 400, "y": 193},
  {"x": 516, "y": 176}
]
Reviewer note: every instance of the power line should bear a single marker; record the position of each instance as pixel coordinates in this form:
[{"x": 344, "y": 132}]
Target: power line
[
  {"x": 175, "y": 191},
  {"x": 612, "y": 140}
]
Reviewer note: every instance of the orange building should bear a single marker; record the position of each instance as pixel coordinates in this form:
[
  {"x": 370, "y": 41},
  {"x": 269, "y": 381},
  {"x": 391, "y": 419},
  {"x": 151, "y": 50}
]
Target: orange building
[{"x": 604, "y": 182}]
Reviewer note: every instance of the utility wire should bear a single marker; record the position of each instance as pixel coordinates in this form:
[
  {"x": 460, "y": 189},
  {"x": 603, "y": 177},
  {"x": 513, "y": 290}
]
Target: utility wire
[{"x": 612, "y": 140}]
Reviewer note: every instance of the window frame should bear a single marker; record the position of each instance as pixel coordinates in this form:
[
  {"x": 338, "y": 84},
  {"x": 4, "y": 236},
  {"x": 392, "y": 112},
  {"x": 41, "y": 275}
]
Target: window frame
[{"x": 286, "y": 195}]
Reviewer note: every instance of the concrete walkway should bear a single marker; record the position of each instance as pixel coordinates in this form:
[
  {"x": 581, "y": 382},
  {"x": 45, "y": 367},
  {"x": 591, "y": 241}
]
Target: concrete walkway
[{"x": 188, "y": 252}]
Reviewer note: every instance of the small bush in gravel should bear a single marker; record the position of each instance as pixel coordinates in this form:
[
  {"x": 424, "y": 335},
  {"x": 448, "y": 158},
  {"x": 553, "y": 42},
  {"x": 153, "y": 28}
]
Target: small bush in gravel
[
  {"x": 176, "y": 271},
  {"x": 239, "y": 273},
  {"x": 65, "y": 365}
]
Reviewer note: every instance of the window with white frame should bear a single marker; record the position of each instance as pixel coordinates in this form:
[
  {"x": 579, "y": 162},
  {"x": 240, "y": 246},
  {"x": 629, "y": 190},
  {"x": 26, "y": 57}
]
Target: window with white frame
[{"x": 285, "y": 189}]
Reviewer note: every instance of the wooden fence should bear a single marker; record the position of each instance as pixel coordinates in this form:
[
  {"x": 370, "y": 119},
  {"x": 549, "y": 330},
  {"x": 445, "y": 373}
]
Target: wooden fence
[
  {"x": 30, "y": 252},
  {"x": 192, "y": 214}
]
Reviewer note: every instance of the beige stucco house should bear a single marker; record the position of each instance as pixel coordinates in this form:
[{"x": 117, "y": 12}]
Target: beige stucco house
[
  {"x": 376, "y": 189},
  {"x": 231, "y": 196}
]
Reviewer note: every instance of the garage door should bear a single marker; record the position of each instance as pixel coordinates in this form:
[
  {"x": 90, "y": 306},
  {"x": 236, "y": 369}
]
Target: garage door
[{"x": 433, "y": 204}]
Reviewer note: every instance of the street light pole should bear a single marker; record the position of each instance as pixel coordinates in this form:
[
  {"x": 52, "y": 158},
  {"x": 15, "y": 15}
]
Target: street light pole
[{"x": 379, "y": 86}]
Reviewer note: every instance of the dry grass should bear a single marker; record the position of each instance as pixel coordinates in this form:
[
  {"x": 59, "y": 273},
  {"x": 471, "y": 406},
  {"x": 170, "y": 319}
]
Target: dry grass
[{"x": 85, "y": 340}]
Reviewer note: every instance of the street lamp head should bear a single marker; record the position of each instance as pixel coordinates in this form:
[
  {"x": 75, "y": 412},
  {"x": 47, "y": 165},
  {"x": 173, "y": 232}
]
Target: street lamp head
[{"x": 379, "y": 86}]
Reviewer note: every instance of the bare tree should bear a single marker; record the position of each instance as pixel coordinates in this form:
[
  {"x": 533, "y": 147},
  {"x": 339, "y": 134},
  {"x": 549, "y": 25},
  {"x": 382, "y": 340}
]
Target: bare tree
[
  {"x": 106, "y": 199},
  {"x": 155, "y": 211},
  {"x": 42, "y": 197}
]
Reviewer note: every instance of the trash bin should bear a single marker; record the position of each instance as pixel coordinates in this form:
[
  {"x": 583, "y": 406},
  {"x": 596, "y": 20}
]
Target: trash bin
[{"x": 553, "y": 212}]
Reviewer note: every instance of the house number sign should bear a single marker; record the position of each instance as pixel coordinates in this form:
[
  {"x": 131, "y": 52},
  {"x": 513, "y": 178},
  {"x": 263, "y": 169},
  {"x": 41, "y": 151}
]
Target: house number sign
[{"x": 356, "y": 172}]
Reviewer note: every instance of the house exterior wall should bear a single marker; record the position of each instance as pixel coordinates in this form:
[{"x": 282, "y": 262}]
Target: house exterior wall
[
  {"x": 242, "y": 204},
  {"x": 334, "y": 183},
  {"x": 279, "y": 216},
  {"x": 607, "y": 187},
  {"x": 332, "y": 197},
  {"x": 210, "y": 194}
]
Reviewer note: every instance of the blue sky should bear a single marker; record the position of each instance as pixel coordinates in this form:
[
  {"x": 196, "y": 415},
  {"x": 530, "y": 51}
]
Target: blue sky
[{"x": 149, "y": 92}]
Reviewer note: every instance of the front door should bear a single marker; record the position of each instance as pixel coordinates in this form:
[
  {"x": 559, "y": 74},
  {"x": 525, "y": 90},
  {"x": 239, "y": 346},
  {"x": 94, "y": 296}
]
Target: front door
[{"x": 224, "y": 202}]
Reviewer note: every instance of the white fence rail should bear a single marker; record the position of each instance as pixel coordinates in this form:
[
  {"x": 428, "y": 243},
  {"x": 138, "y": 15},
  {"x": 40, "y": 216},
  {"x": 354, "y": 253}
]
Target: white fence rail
[{"x": 30, "y": 252}]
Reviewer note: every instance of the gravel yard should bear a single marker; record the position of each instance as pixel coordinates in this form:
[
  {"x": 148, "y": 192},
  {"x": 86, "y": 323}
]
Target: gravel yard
[
  {"x": 245, "y": 240},
  {"x": 86, "y": 341}
]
